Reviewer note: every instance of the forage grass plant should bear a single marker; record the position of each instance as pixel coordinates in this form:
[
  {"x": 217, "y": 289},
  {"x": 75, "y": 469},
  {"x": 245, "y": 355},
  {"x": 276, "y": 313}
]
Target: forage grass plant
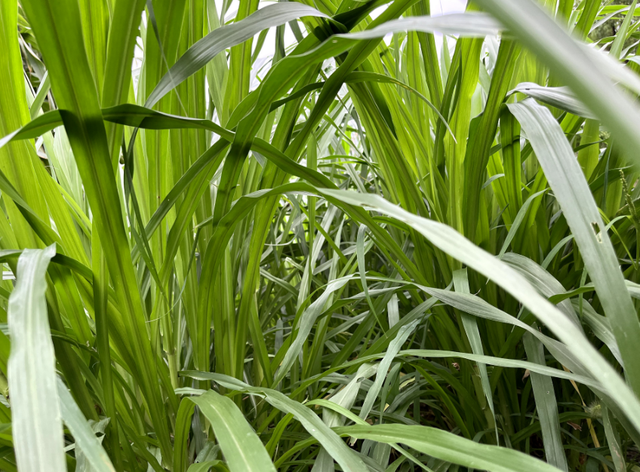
[{"x": 332, "y": 235}]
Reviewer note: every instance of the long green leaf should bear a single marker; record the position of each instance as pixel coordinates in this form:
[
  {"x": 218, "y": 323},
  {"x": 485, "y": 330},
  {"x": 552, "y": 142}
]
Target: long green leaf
[
  {"x": 451, "y": 448},
  {"x": 82, "y": 432},
  {"x": 579, "y": 208},
  {"x": 546, "y": 406},
  {"x": 240, "y": 445},
  {"x": 36, "y": 421},
  {"x": 225, "y": 37},
  {"x": 473, "y": 24}
]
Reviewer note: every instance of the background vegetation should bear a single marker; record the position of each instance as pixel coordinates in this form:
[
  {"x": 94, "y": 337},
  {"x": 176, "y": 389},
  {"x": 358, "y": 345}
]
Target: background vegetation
[{"x": 376, "y": 249}]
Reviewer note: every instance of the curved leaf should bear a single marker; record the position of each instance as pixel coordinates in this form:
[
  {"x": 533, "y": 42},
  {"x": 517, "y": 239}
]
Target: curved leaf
[
  {"x": 225, "y": 37},
  {"x": 451, "y": 448},
  {"x": 470, "y": 24},
  {"x": 579, "y": 208}
]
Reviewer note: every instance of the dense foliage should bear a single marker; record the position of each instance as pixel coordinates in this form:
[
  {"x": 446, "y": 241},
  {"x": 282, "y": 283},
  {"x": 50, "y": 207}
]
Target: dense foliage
[{"x": 317, "y": 236}]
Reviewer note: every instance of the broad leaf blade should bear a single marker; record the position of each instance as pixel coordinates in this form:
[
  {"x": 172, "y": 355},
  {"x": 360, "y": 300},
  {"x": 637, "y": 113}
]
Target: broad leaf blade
[
  {"x": 579, "y": 208},
  {"x": 451, "y": 448},
  {"x": 239, "y": 443},
  {"x": 37, "y": 426}
]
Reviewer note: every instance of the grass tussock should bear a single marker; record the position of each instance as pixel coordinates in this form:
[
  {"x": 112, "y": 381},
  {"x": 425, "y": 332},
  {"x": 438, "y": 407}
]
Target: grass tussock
[{"x": 315, "y": 236}]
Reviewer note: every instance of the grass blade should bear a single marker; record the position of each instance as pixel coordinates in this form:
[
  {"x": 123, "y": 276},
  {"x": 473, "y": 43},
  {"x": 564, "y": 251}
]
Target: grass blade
[
  {"x": 82, "y": 433},
  {"x": 240, "y": 445},
  {"x": 37, "y": 427},
  {"x": 579, "y": 208},
  {"x": 225, "y": 37},
  {"x": 546, "y": 406},
  {"x": 451, "y": 448}
]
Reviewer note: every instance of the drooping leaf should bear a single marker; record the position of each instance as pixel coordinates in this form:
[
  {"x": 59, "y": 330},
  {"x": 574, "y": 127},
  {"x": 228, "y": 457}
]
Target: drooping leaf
[{"x": 572, "y": 192}]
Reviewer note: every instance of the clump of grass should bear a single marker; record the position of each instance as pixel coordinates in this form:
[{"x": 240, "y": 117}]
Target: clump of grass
[{"x": 356, "y": 252}]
